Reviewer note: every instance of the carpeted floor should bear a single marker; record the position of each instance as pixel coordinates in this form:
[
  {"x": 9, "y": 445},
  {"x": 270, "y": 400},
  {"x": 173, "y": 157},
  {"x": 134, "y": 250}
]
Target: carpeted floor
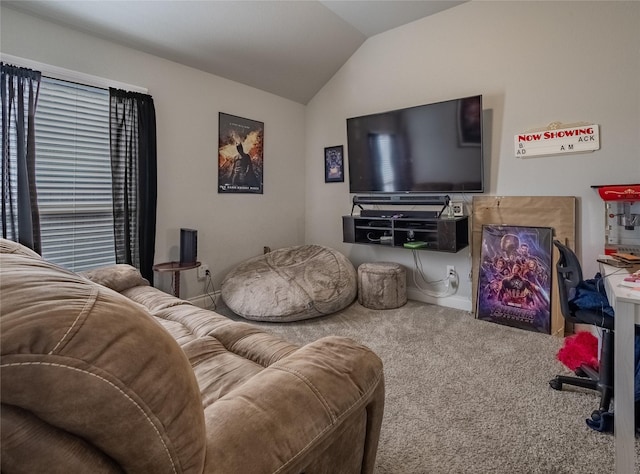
[{"x": 467, "y": 396}]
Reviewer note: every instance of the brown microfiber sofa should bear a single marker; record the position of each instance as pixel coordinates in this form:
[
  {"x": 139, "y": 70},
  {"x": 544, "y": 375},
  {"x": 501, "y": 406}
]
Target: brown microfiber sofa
[{"x": 104, "y": 373}]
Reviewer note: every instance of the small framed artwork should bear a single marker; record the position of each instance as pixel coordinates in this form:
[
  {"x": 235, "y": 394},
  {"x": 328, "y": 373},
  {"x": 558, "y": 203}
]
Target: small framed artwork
[{"x": 333, "y": 164}]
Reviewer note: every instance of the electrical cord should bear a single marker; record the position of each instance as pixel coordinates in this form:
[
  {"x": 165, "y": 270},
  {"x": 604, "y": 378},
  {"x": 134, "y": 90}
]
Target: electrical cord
[
  {"x": 418, "y": 266},
  {"x": 451, "y": 286},
  {"x": 371, "y": 239},
  {"x": 209, "y": 291}
]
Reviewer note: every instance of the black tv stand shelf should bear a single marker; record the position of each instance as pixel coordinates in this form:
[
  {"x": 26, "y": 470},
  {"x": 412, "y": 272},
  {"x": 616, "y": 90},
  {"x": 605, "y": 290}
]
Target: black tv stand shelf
[{"x": 395, "y": 228}]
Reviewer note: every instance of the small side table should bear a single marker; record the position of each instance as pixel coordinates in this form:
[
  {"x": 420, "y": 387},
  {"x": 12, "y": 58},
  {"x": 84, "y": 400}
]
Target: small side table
[{"x": 176, "y": 268}]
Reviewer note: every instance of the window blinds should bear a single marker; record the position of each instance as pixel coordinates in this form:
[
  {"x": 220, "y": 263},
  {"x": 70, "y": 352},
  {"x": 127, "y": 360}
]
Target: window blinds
[{"x": 73, "y": 175}]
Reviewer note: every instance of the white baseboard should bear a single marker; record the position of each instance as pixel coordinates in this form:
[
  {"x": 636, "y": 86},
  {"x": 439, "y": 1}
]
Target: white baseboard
[
  {"x": 456, "y": 302},
  {"x": 204, "y": 301}
]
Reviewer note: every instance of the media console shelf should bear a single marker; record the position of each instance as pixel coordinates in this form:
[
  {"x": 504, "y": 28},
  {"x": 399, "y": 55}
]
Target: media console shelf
[{"x": 395, "y": 228}]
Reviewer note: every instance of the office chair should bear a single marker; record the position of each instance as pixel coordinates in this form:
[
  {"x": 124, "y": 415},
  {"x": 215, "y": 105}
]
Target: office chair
[{"x": 569, "y": 277}]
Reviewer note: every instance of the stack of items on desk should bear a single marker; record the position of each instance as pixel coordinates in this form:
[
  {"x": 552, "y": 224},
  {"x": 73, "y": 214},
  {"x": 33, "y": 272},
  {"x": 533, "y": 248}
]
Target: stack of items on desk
[
  {"x": 632, "y": 280},
  {"x": 620, "y": 260},
  {"x": 626, "y": 258}
]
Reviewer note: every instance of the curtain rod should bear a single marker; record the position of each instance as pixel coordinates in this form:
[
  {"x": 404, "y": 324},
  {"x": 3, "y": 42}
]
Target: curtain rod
[{"x": 69, "y": 75}]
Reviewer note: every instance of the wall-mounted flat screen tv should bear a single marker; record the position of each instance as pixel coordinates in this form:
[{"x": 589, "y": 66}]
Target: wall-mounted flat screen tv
[{"x": 432, "y": 148}]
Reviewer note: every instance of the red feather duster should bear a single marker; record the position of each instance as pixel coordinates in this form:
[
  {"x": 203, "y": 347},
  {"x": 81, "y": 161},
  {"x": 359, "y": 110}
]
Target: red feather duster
[{"x": 581, "y": 348}]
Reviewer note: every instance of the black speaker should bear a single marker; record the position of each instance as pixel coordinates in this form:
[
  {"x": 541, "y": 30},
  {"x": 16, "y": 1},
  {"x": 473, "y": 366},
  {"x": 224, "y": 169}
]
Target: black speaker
[{"x": 188, "y": 245}]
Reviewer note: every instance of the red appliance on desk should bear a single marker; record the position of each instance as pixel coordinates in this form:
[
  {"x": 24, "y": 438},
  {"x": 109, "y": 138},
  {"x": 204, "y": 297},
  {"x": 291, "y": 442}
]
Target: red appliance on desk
[{"x": 622, "y": 218}]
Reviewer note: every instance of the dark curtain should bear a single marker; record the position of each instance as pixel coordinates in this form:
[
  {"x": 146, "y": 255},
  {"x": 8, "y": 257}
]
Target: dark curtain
[
  {"x": 20, "y": 217},
  {"x": 134, "y": 174}
]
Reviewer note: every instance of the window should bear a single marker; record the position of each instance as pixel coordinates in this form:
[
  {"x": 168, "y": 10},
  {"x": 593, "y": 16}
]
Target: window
[{"x": 73, "y": 175}]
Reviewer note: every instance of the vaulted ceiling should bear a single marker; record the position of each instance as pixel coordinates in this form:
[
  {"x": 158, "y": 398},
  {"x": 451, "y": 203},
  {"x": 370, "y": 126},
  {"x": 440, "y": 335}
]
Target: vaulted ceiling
[{"x": 290, "y": 48}]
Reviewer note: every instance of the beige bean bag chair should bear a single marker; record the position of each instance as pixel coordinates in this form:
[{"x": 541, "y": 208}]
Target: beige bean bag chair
[{"x": 291, "y": 284}]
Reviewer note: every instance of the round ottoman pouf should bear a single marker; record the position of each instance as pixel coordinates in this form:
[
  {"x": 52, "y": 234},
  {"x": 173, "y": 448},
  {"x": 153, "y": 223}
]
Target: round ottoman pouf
[
  {"x": 290, "y": 284},
  {"x": 382, "y": 285}
]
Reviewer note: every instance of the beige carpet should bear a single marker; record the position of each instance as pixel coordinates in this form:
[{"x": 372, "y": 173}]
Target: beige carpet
[{"x": 467, "y": 396}]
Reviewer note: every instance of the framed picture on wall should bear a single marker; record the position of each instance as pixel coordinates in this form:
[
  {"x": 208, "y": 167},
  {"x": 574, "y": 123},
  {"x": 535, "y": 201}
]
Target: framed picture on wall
[
  {"x": 240, "y": 155},
  {"x": 514, "y": 279},
  {"x": 333, "y": 164}
]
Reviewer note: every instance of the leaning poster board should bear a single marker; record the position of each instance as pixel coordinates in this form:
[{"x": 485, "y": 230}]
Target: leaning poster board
[
  {"x": 514, "y": 281},
  {"x": 557, "y": 212}
]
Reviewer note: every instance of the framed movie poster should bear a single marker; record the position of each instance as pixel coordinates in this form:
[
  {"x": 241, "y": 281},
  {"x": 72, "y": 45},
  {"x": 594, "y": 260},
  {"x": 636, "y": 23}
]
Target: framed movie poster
[
  {"x": 240, "y": 155},
  {"x": 514, "y": 281},
  {"x": 333, "y": 164}
]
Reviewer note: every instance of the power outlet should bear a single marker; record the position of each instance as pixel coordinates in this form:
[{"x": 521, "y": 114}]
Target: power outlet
[
  {"x": 202, "y": 271},
  {"x": 451, "y": 270}
]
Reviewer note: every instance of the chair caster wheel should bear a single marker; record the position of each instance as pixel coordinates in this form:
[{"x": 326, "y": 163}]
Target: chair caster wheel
[
  {"x": 601, "y": 420},
  {"x": 555, "y": 384}
]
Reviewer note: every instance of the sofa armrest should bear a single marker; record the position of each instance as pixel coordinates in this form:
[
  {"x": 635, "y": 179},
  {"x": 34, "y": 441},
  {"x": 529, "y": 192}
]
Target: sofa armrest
[
  {"x": 83, "y": 365},
  {"x": 292, "y": 410}
]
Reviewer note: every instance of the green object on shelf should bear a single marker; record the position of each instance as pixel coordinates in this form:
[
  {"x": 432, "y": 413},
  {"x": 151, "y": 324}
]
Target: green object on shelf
[{"x": 415, "y": 245}]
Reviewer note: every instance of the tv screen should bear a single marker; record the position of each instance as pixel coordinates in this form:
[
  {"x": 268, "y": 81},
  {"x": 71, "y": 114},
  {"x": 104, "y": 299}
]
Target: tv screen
[{"x": 433, "y": 148}]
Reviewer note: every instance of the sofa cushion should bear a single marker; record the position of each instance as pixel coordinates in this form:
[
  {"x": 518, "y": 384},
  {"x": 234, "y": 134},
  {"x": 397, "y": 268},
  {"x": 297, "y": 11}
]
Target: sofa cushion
[
  {"x": 118, "y": 277},
  {"x": 86, "y": 361},
  {"x": 290, "y": 284}
]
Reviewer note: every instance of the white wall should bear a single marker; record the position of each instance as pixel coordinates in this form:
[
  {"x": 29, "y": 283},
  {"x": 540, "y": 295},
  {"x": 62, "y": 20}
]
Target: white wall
[
  {"x": 230, "y": 228},
  {"x": 535, "y": 63}
]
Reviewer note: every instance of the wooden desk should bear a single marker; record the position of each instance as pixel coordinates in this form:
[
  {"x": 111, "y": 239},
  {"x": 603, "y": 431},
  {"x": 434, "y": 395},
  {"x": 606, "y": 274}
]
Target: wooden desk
[
  {"x": 626, "y": 304},
  {"x": 176, "y": 268}
]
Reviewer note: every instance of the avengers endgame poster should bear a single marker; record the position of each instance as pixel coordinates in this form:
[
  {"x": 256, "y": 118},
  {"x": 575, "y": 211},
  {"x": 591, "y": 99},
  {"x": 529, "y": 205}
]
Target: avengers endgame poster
[{"x": 514, "y": 284}]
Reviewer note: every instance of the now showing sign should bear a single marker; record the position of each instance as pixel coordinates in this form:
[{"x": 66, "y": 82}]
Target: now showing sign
[{"x": 557, "y": 142}]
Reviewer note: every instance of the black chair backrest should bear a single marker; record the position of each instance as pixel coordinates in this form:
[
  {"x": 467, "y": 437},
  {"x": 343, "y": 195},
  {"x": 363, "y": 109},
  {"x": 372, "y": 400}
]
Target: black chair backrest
[{"x": 569, "y": 276}]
